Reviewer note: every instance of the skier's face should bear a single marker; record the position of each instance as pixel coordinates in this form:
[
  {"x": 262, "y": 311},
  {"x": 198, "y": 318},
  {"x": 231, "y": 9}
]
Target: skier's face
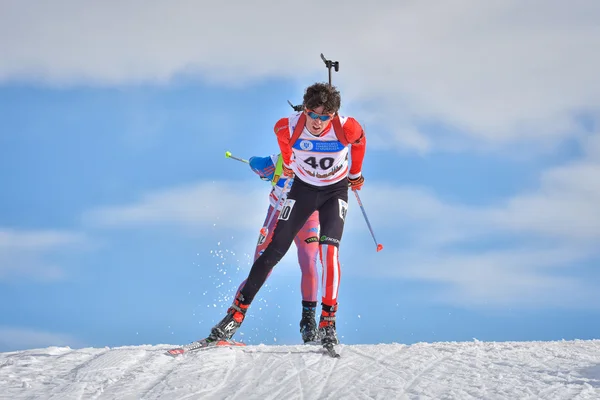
[{"x": 316, "y": 120}]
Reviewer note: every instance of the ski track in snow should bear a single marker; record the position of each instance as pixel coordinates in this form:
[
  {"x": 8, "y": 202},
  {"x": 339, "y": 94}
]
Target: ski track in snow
[{"x": 467, "y": 370}]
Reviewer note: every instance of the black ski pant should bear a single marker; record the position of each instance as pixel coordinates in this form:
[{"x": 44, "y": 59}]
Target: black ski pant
[{"x": 303, "y": 199}]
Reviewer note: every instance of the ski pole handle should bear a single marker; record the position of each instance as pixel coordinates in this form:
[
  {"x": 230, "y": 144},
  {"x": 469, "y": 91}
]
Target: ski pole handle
[
  {"x": 379, "y": 245},
  {"x": 228, "y": 155}
]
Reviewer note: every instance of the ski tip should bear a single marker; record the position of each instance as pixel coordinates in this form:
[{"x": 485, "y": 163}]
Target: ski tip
[
  {"x": 379, "y": 247},
  {"x": 227, "y": 154},
  {"x": 174, "y": 352}
]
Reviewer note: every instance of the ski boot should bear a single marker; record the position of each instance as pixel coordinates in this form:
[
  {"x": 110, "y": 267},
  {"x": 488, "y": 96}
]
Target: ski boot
[
  {"x": 308, "y": 324},
  {"x": 225, "y": 329},
  {"x": 327, "y": 325}
]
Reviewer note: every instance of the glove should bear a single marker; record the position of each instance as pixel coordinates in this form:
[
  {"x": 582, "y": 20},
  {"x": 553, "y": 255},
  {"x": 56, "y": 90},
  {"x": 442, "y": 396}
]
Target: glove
[
  {"x": 252, "y": 162},
  {"x": 356, "y": 183},
  {"x": 287, "y": 172},
  {"x": 258, "y": 166}
]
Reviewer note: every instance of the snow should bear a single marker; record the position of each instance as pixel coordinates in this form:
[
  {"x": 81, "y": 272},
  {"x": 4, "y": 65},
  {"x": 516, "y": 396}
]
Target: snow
[{"x": 466, "y": 370}]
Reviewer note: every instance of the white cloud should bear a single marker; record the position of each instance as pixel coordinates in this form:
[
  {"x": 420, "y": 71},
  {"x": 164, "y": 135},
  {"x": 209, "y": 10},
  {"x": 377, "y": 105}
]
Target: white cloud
[
  {"x": 525, "y": 275},
  {"x": 234, "y": 205},
  {"x": 13, "y": 339},
  {"x": 496, "y": 71},
  {"x": 565, "y": 206},
  {"x": 35, "y": 240},
  {"x": 26, "y": 253}
]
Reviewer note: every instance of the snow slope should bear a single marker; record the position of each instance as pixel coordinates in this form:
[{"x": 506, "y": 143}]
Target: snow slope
[{"x": 470, "y": 370}]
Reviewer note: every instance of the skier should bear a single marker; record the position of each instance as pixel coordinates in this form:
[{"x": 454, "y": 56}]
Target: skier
[
  {"x": 314, "y": 147},
  {"x": 307, "y": 242}
]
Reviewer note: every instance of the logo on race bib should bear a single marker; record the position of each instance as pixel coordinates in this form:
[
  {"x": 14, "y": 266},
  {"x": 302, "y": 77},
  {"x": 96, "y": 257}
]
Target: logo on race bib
[{"x": 306, "y": 145}]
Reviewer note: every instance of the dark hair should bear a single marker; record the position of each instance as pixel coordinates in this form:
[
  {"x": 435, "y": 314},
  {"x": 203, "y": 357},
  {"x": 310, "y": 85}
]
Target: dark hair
[{"x": 321, "y": 94}]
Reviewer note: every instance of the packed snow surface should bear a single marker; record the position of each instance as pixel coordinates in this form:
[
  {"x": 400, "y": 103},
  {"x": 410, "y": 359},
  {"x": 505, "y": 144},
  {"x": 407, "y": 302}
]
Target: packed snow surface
[{"x": 469, "y": 370}]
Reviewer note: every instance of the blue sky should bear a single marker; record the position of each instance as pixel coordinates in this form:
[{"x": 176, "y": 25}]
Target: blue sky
[{"x": 121, "y": 221}]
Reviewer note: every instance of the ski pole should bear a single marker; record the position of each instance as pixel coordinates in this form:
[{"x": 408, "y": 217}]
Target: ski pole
[
  {"x": 228, "y": 155},
  {"x": 264, "y": 231},
  {"x": 379, "y": 245}
]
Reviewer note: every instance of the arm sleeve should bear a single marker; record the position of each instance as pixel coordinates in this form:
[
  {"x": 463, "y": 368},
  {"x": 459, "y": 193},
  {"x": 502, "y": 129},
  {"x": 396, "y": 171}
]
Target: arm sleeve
[
  {"x": 282, "y": 130},
  {"x": 358, "y": 143}
]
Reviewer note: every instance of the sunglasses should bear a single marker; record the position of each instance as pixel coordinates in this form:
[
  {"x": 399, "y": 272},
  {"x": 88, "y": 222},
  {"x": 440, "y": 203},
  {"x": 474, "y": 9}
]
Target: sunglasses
[{"x": 314, "y": 115}]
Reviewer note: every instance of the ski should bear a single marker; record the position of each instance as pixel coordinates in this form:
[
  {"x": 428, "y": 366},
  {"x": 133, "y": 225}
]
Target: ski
[
  {"x": 202, "y": 344},
  {"x": 331, "y": 351}
]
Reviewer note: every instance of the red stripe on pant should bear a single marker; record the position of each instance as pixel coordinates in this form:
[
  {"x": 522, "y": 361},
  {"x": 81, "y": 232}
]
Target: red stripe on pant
[{"x": 331, "y": 274}]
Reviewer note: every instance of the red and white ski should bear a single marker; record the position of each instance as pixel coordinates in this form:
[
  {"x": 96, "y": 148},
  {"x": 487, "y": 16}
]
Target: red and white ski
[{"x": 203, "y": 344}]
